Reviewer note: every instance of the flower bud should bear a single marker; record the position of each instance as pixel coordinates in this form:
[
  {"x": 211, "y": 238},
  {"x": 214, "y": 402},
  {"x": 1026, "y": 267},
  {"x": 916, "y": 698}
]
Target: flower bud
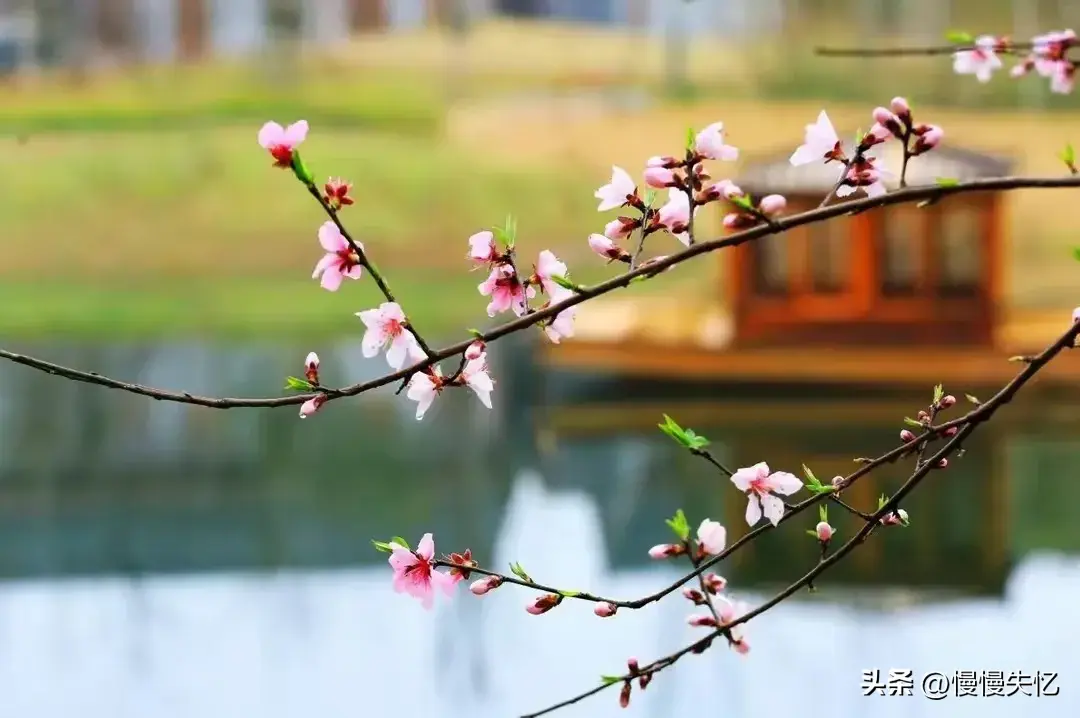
[
  {"x": 837, "y": 481},
  {"x": 741, "y": 646},
  {"x": 312, "y": 405},
  {"x": 923, "y": 416},
  {"x": 944, "y": 463},
  {"x": 907, "y": 436},
  {"x": 772, "y": 203},
  {"x": 485, "y": 584},
  {"x": 311, "y": 368},
  {"x": 951, "y": 431},
  {"x": 620, "y": 228},
  {"x": 900, "y": 106},
  {"x": 543, "y": 604},
  {"x": 605, "y": 609},
  {"x": 947, "y": 401},
  {"x": 714, "y": 583},
  {"x": 702, "y": 621},
  {"x": 624, "y": 694},
  {"x": 632, "y": 666},
  {"x": 824, "y": 531},
  {"x": 660, "y": 178},
  {"x": 666, "y": 162},
  {"x": 694, "y": 596},
  {"x": 666, "y": 550},
  {"x": 475, "y": 350}
]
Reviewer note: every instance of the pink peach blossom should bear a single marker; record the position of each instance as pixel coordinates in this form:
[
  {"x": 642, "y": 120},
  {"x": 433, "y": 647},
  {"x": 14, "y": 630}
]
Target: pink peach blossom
[
  {"x": 666, "y": 550},
  {"x": 561, "y": 326},
  {"x": 476, "y": 377},
  {"x": 759, "y": 485},
  {"x": 824, "y": 531},
  {"x": 281, "y": 141},
  {"x": 712, "y": 537},
  {"x": 674, "y": 216},
  {"x": 605, "y": 247},
  {"x": 340, "y": 260},
  {"x": 865, "y": 174},
  {"x": 423, "y": 387},
  {"x": 981, "y": 61},
  {"x": 482, "y": 247},
  {"x": 927, "y": 137},
  {"x": 506, "y": 291},
  {"x": 709, "y": 144},
  {"x": 548, "y": 266},
  {"x": 820, "y": 143},
  {"x": 728, "y": 611},
  {"x": 386, "y": 326},
  {"x": 620, "y": 191},
  {"x": 714, "y": 583},
  {"x": 475, "y": 350},
  {"x": 415, "y": 574}
]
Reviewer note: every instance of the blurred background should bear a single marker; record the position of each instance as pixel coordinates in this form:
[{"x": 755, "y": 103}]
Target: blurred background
[{"x": 182, "y": 562}]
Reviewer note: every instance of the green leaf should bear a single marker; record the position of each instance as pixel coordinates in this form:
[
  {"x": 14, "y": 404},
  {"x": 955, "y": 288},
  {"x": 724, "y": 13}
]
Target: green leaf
[
  {"x": 476, "y": 333},
  {"x": 679, "y": 525},
  {"x": 972, "y": 399},
  {"x": 1068, "y": 156},
  {"x": 608, "y": 680},
  {"x": 911, "y": 422},
  {"x": 810, "y": 476},
  {"x": 958, "y": 37},
  {"x": 301, "y": 170},
  {"x": 650, "y": 197},
  {"x": 811, "y": 532},
  {"x": 819, "y": 489},
  {"x": 695, "y": 442},
  {"x": 566, "y": 283},
  {"x": 672, "y": 429},
  {"x": 400, "y": 542},
  {"x": 570, "y": 594},
  {"x": 691, "y": 138},
  {"x": 823, "y": 513},
  {"x": 517, "y": 570},
  {"x": 743, "y": 202},
  {"x": 293, "y": 383},
  {"x": 882, "y": 500},
  {"x": 946, "y": 181},
  {"x": 939, "y": 393},
  {"x": 507, "y": 234},
  {"x": 381, "y": 546}
]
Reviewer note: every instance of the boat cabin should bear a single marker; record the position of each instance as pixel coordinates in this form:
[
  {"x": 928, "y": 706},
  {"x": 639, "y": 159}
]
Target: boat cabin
[{"x": 900, "y": 274}]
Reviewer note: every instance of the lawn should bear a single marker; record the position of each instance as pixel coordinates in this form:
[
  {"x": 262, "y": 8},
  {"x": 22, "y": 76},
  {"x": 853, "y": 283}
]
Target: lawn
[{"x": 166, "y": 233}]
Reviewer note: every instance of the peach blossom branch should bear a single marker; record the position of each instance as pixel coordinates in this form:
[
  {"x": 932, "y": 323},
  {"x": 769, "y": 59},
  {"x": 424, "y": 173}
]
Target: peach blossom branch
[
  {"x": 651, "y": 268},
  {"x": 968, "y": 424}
]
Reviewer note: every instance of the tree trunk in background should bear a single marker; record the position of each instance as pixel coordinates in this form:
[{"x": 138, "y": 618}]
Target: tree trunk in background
[
  {"x": 367, "y": 15},
  {"x": 191, "y": 28},
  {"x": 115, "y": 28}
]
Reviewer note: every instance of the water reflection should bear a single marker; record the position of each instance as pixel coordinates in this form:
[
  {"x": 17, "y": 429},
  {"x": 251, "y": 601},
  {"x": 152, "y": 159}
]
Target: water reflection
[{"x": 169, "y": 561}]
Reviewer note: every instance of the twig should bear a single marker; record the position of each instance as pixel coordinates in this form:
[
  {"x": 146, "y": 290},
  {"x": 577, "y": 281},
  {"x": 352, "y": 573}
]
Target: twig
[{"x": 910, "y": 194}]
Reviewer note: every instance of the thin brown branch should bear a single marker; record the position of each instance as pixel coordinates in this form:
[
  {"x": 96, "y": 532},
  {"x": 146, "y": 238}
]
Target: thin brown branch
[
  {"x": 968, "y": 424},
  {"x": 930, "y": 51},
  {"x": 910, "y": 194}
]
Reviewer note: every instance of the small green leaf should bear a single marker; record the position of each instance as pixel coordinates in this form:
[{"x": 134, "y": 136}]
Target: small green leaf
[
  {"x": 672, "y": 429},
  {"x": 946, "y": 181},
  {"x": 811, "y": 533},
  {"x": 293, "y": 383},
  {"x": 819, "y": 489},
  {"x": 301, "y": 170},
  {"x": 507, "y": 234},
  {"x": 476, "y": 333},
  {"x": 608, "y": 680},
  {"x": 823, "y": 513},
  {"x": 743, "y": 202},
  {"x": 958, "y": 37},
  {"x": 679, "y": 525},
  {"x": 882, "y": 500},
  {"x": 912, "y": 422},
  {"x": 695, "y": 442},
  {"x": 566, "y": 283},
  {"x": 939, "y": 393},
  {"x": 400, "y": 542},
  {"x": 650, "y": 197},
  {"x": 570, "y": 594},
  {"x": 972, "y": 399},
  {"x": 381, "y": 546},
  {"x": 1068, "y": 156},
  {"x": 517, "y": 570},
  {"x": 691, "y": 138},
  {"x": 810, "y": 476}
]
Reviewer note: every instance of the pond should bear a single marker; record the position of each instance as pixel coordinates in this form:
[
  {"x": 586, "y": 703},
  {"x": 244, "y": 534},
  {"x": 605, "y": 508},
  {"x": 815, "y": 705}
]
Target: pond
[{"x": 168, "y": 561}]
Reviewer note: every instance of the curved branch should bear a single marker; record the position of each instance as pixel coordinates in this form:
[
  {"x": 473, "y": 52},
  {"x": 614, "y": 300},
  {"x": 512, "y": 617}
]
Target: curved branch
[{"x": 910, "y": 194}]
